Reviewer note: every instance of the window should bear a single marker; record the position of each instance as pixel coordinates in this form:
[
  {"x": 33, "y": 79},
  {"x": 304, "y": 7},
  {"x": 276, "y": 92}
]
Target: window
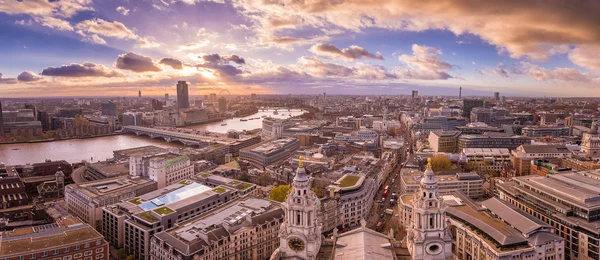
[
  {"x": 78, "y": 255},
  {"x": 99, "y": 256},
  {"x": 56, "y": 251},
  {"x": 67, "y": 257},
  {"x": 44, "y": 254},
  {"x": 32, "y": 256},
  {"x": 99, "y": 250},
  {"x": 88, "y": 253}
]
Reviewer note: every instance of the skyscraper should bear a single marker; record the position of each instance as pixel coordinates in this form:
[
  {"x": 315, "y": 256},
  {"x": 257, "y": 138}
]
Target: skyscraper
[
  {"x": 213, "y": 97},
  {"x": 139, "y": 93},
  {"x": 460, "y": 93},
  {"x": 1, "y": 122},
  {"x": 497, "y": 96},
  {"x": 469, "y": 104},
  {"x": 415, "y": 93},
  {"x": 183, "y": 100},
  {"x": 166, "y": 96},
  {"x": 222, "y": 104},
  {"x": 109, "y": 109}
]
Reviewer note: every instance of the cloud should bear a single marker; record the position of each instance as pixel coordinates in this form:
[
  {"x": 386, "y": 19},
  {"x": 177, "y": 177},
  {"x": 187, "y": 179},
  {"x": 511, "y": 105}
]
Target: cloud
[
  {"x": 497, "y": 71},
  {"x": 193, "y": 45},
  {"x": 518, "y": 27},
  {"x": 135, "y": 62},
  {"x": 28, "y": 76},
  {"x": 7, "y": 80},
  {"x": 94, "y": 39},
  {"x": 319, "y": 68},
  {"x": 424, "y": 64},
  {"x": 174, "y": 63},
  {"x": 351, "y": 53},
  {"x": 122, "y": 10},
  {"x": 54, "y": 23},
  {"x": 24, "y": 22},
  {"x": 148, "y": 42},
  {"x": 104, "y": 28},
  {"x": 87, "y": 69},
  {"x": 216, "y": 58},
  {"x": 64, "y": 8},
  {"x": 586, "y": 56},
  {"x": 279, "y": 22},
  {"x": 202, "y": 32},
  {"x": 558, "y": 74}
]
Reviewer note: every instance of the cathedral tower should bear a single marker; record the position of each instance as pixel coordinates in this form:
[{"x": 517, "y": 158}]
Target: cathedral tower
[{"x": 300, "y": 234}]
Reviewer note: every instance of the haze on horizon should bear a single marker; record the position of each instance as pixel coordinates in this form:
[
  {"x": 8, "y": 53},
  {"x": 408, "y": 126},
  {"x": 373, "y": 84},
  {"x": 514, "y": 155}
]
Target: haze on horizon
[{"x": 386, "y": 47}]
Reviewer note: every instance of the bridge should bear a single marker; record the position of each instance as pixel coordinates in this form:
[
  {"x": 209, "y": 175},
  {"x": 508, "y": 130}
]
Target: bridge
[{"x": 174, "y": 136}]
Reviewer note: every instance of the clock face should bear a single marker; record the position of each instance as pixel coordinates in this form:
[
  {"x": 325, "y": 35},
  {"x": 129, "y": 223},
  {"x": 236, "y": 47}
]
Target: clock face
[{"x": 296, "y": 244}]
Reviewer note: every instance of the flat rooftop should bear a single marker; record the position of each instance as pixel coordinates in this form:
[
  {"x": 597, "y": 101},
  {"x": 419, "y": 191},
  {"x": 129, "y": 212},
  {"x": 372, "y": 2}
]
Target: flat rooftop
[
  {"x": 573, "y": 187},
  {"x": 174, "y": 196},
  {"x": 25, "y": 240},
  {"x": 486, "y": 151},
  {"x": 272, "y": 146},
  {"x": 110, "y": 169},
  {"x": 413, "y": 176},
  {"x": 143, "y": 150},
  {"x": 110, "y": 187}
]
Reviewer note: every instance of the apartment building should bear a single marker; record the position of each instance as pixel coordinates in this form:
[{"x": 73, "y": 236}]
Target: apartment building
[
  {"x": 164, "y": 169},
  {"x": 492, "y": 140},
  {"x": 86, "y": 200},
  {"x": 271, "y": 152},
  {"x": 470, "y": 184},
  {"x": 139, "y": 218},
  {"x": 443, "y": 141},
  {"x": 524, "y": 154},
  {"x": 246, "y": 228},
  {"x": 67, "y": 239}
]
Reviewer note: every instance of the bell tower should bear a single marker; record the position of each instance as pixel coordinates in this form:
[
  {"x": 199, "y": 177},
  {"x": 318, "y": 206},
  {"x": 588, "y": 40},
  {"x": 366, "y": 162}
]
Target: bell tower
[
  {"x": 428, "y": 234},
  {"x": 300, "y": 234}
]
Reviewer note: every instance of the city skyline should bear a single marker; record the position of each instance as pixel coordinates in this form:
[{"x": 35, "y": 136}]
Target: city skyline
[{"x": 93, "y": 48}]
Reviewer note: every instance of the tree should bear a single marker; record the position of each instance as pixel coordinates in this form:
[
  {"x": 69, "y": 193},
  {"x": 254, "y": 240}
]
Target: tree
[
  {"x": 392, "y": 131},
  {"x": 244, "y": 177},
  {"x": 130, "y": 257},
  {"x": 320, "y": 192},
  {"x": 122, "y": 253},
  {"x": 440, "y": 162},
  {"x": 279, "y": 193}
]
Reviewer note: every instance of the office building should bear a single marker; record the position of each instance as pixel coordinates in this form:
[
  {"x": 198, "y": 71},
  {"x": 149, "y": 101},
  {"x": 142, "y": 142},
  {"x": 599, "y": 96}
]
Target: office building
[
  {"x": 164, "y": 169},
  {"x": 109, "y": 108},
  {"x": 272, "y": 128},
  {"x": 438, "y": 123},
  {"x": 486, "y": 160},
  {"x": 246, "y": 228},
  {"x": 470, "y": 184},
  {"x": 12, "y": 190},
  {"x": 415, "y": 94},
  {"x": 133, "y": 222},
  {"x": 132, "y": 118},
  {"x": 183, "y": 99},
  {"x": 139, "y": 94},
  {"x": 545, "y": 131},
  {"x": 524, "y": 154},
  {"x": 44, "y": 118},
  {"x": 67, "y": 239},
  {"x": 492, "y": 140},
  {"x": 166, "y": 96},
  {"x": 569, "y": 202},
  {"x": 23, "y": 129},
  {"x": 157, "y": 105},
  {"x": 85, "y": 200},
  {"x": 222, "y": 104},
  {"x": 497, "y": 96},
  {"x": 443, "y": 141},
  {"x": 270, "y": 152},
  {"x": 469, "y": 104}
]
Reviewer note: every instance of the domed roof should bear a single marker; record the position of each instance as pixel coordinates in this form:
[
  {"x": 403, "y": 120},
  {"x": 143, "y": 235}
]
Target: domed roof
[
  {"x": 428, "y": 175},
  {"x": 301, "y": 175}
]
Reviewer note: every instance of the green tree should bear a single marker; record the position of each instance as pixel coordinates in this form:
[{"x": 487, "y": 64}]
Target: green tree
[
  {"x": 440, "y": 162},
  {"x": 130, "y": 257},
  {"x": 320, "y": 192},
  {"x": 244, "y": 177},
  {"x": 280, "y": 192},
  {"x": 122, "y": 253}
]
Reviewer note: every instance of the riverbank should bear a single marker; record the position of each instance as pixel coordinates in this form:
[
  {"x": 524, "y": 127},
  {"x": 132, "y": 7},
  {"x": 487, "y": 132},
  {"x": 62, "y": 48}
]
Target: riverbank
[{"x": 61, "y": 139}]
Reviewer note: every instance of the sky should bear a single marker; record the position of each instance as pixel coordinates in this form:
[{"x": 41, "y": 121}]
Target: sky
[{"x": 353, "y": 47}]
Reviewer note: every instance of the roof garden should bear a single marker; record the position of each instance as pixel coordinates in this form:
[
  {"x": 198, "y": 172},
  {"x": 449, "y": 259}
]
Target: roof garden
[
  {"x": 205, "y": 175},
  {"x": 178, "y": 159},
  {"x": 164, "y": 210},
  {"x": 185, "y": 182},
  {"x": 245, "y": 186},
  {"x": 349, "y": 180},
  {"x": 147, "y": 216},
  {"x": 234, "y": 182},
  {"x": 137, "y": 201},
  {"x": 219, "y": 190}
]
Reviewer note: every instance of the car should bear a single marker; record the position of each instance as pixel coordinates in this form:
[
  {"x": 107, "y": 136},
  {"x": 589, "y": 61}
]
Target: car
[
  {"x": 382, "y": 199},
  {"x": 394, "y": 194}
]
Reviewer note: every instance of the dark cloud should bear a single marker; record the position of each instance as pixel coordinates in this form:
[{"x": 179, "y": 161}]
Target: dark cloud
[
  {"x": 7, "y": 80},
  {"x": 216, "y": 58},
  {"x": 174, "y": 63},
  {"x": 135, "y": 62},
  {"x": 351, "y": 53},
  {"x": 87, "y": 69},
  {"x": 28, "y": 76}
]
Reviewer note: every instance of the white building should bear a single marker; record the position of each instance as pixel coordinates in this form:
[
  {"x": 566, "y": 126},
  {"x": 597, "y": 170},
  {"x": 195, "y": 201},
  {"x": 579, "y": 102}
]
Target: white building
[{"x": 164, "y": 169}]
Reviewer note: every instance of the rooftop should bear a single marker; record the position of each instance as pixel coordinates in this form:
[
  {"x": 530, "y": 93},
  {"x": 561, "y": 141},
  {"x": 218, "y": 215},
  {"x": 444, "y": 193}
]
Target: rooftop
[
  {"x": 46, "y": 237},
  {"x": 170, "y": 194},
  {"x": 112, "y": 187},
  {"x": 271, "y": 146},
  {"x": 363, "y": 243}
]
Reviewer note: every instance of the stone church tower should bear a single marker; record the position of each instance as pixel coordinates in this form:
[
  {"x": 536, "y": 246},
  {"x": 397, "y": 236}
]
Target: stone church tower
[
  {"x": 428, "y": 234},
  {"x": 300, "y": 233},
  {"x": 590, "y": 142}
]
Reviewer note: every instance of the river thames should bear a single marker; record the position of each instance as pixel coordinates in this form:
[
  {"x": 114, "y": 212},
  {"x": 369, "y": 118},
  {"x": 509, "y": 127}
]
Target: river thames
[{"x": 101, "y": 148}]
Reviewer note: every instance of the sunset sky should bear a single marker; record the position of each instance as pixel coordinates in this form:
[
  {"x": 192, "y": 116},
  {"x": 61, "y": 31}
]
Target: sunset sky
[{"x": 115, "y": 48}]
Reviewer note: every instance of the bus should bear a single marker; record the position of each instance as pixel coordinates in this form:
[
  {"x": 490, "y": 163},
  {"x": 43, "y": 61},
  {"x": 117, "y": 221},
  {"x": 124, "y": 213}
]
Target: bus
[{"x": 385, "y": 191}]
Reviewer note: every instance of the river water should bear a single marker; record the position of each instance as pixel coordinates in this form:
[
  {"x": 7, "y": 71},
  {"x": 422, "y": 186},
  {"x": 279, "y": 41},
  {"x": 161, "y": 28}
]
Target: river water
[{"x": 101, "y": 148}]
